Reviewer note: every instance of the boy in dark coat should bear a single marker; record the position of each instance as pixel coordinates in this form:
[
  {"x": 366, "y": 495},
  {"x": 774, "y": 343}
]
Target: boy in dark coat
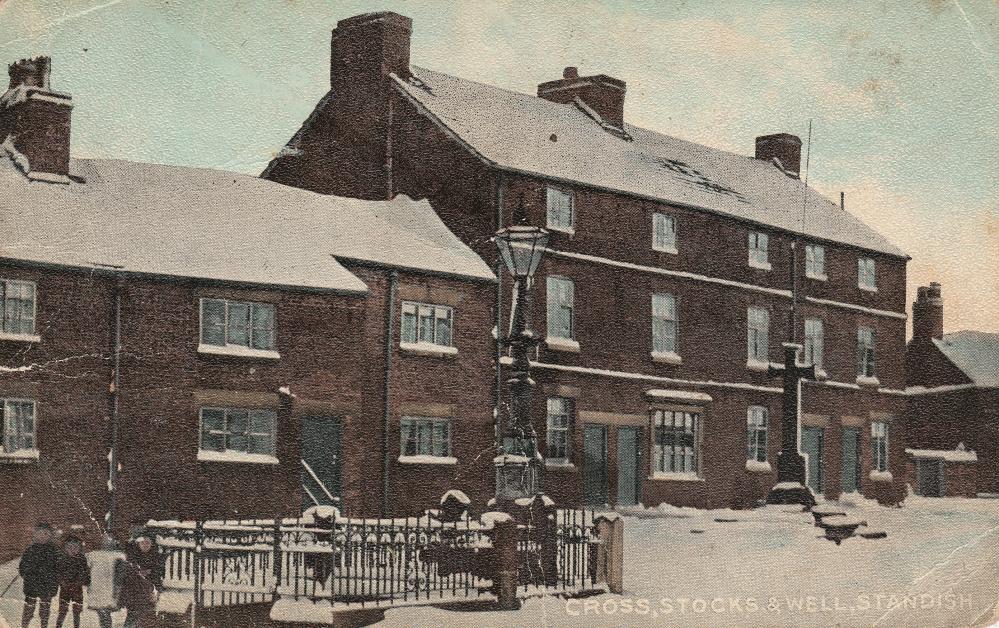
[
  {"x": 143, "y": 576},
  {"x": 74, "y": 574},
  {"x": 39, "y": 570}
]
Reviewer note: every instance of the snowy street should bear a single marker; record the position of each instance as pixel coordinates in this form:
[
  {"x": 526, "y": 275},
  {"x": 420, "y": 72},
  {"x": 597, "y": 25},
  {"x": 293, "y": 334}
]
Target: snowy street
[{"x": 938, "y": 566}]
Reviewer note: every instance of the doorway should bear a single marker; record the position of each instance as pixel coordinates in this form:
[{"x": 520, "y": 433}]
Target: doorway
[
  {"x": 812, "y": 446},
  {"x": 929, "y": 477},
  {"x": 321, "y": 460},
  {"x": 629, "y": 451},
  {"x": 595, "y": 465},
  {"x": 851, "y": 460}
]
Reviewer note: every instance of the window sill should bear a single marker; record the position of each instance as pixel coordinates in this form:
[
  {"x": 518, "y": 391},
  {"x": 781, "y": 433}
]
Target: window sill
[
  {"x": 20, "y": 337},
  {"x": 427, "y": 349},
  {"x": 868, "y": 288},
  {"x": 760, "y": 265},
  {"x": 559, "y": 466},
  {"x": 21, "y": 456},
  {"x": 235, "y": 456},
  {"x": 670, "y": 250},
  {"x": 666, "y": 357},
  {"x": 562, "y": 344},
  {"x": 822, "y": 277},
  {"x": 820, "y": 373},
  {"x": 239, "y": 352},
  {"x": 428, "y": 460},
  {"x": 678, "y": 477},
  {"x": 569, "y": 231},
  {"x": 757, "y": 365},
  {"x": 755, "y": 466},
  {"x": 871, "y": 382},
  {"x": 880, "y": 476}
]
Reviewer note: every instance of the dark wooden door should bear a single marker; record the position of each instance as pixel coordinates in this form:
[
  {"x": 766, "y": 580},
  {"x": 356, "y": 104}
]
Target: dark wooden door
[
  {"x": 595, "y": 465},
  {"x": 321, "y": 460}
]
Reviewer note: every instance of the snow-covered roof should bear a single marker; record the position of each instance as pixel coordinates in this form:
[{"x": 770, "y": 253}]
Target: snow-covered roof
[
  {"x": 214, "y": 225},
  {"x": 950, "y": 455},
  {"x": 976, "y": 353},
  {"x": 525, "y": 133}
]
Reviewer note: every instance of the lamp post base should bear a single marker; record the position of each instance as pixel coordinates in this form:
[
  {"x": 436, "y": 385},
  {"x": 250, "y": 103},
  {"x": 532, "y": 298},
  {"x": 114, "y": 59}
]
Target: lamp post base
[{"x": 790, "y": 487}]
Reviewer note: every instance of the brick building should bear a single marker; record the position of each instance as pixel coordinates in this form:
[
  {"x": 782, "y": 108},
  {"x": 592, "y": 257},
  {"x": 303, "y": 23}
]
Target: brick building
[
  {"x": 952, "y": 423},
  {"x": 667, "y": 288},
  {"x": 211, "y": 331}
]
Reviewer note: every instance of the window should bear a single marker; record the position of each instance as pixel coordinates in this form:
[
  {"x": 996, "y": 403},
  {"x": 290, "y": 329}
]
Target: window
[
  {"x": 879, "y": 445},
  {"x": 677, "y": 443},
  {"x": 866, "y": 276},
  {"x": 561, "y": 210},
  {"x": 814, "y": 342},
  {"x": 759, "y": 335},
  {"x": 423, "y": 436},
  {"x": 227, "y": 323},
  {"x": 664, "y": 325},
  {"x": 756, "y": 429},
  {"x": 561, "y": 293},
  {"x": 238, "y": 431},
  {"x": 17, "y": 300},
  {"x": 18, "y": 424},
  {"x": 865, "y": 352},
  {"x": 663, "y": 233},
  {"x": 758, "y": 250},
  {"x": 561, "y": 412},
  {"x": 815, "y": 261},
  {"x": 427, "y": 324}
]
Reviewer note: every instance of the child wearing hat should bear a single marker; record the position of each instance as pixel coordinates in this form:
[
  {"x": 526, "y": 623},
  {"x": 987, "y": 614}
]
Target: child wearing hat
[
  {"x": 39, "y": 571},
  {"x": 74, "y": 574}
]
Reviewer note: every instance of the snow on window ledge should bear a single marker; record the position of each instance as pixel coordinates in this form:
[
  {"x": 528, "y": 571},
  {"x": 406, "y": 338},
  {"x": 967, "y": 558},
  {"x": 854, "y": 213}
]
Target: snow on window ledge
[
  {"x": 569, "y": 231},
  {"x": 863, "y": 380},
  {"x": 817, "y": 276},
  {"x": 562, "y": 344},
  {"x": 755, "y": 466},
  {"x": 820, "y": 373},
  {"x": 680, "y": 477},
  {"x": 880, "y": 476},
  {"x": 428, "y": 349},
  {"x": 559, "y": 465},
  {"x": 666, "y": 357},
  {"x": 428, "y": 460},
  {"x": 19, "y": 456},
  {"x": 666, "y": 249},
  {"x": 20, "y": 337},
  {"x": 239, "y": 351},
  {"x": 868, "y": 288},
  {"x": 760, "y": 265},
  {"x": 205, "y": 455},
  {"x": 757, "y": 365}
]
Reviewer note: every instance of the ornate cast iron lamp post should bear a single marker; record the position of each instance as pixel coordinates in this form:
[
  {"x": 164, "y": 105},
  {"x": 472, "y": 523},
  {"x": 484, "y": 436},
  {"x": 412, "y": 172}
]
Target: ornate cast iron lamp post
[{"x": 521, "y": 247}]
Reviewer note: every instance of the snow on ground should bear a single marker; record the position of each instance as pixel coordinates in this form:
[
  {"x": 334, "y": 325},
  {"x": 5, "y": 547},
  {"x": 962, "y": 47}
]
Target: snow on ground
[
  {"x": 12, "y": 604},
  {"x": 772, "y": 567}
]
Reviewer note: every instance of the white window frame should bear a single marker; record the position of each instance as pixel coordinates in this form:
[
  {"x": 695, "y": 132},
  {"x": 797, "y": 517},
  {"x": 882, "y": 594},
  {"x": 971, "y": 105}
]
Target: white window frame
[
  {"x": 815, "y": 262},
  {"x": 664, "y": 233},
  {"x": 554, "y": 213},
  {"x": 758, "y": 343},
  {"x": 759, "y": 243},
  {"x": 237, "y": 348},
  {"x": 665, "y": 328},
  {"x": 230, "y": 453},
  {"x": 673, "y": 460},
  {"x": 879, "y": 446},
  {"x": 866, "y": 353},
  {"x": 439, "y": 450},
  {"x": 6, "y": 331},
  {"x": 13, "y": 434},
  {"x": 814, "y": 351},
  {"x": 757, "y": 424},
  {"x": 560, "y": 295},
  {"x": 413, "y": 335},
  {"x": 561, "y": 416},
  {"x": 867, "y": 277}
]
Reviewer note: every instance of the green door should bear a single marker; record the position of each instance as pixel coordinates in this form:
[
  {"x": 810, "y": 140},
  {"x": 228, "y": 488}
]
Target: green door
[
  {"x": 595, "y": 465},
  {"x": 628, "y": 453},
  {"x": 320, "y": 461},
  {"x": 851, "y": 459},
  {"x": 812, "y": 446}
]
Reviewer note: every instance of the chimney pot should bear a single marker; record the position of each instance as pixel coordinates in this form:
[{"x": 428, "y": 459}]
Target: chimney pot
[
  {"x": 927, "y": 313},
  {"x": 30, "y": 72},
  {"x": 570, "y": 72},
  {"x": 36, "y": 121},
  {"x": 602, "y": 94},
  {"x": 786, "y": 148}
]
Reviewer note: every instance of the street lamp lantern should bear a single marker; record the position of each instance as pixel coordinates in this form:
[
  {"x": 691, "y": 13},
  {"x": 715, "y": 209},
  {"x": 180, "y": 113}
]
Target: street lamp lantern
[{"x": 521, "y": 247}]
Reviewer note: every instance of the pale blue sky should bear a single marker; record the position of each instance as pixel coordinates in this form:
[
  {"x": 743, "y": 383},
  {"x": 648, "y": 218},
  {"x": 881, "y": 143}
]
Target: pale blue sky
[{"x": 904, "y": 95}]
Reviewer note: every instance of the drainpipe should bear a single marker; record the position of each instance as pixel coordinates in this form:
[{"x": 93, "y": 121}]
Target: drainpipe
[
  {"x": 113, "y": 402},
  {"x": 393, "y": 278},
  {"x": 498, "y": 271}
]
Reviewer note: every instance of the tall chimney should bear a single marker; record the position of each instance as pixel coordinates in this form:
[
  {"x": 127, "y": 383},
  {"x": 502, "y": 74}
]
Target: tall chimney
[
  {"x": 365, "y": 50},
  {"x": 602, "y": 94},
  {"x": 927, "y": 313},
  {"x": 35, "y": 122},
  {"x": 786, "y": 148}
]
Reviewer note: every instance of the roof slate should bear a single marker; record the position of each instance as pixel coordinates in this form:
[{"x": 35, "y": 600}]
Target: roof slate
[{"x": 976, "y": 353}]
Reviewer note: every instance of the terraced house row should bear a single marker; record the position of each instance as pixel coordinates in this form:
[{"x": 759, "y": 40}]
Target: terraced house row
[{"x": 667, "y": 288}]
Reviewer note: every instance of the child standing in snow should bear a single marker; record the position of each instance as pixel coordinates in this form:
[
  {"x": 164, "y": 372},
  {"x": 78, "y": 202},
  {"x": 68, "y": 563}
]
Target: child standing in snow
[
  {"x": 73, "y": 576},
  {"x": 39, "y": 569},
  {"x": 107, "y": 574}
]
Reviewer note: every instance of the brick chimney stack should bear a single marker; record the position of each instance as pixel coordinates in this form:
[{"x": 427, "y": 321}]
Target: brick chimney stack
[
  {"x": 927, "y": 313},
  {"x": 603, "y": 94},
  {"x": 365, "y": 50},
  {"x": 35, "y": 122},
  {"x": 783, "y": 146}
]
